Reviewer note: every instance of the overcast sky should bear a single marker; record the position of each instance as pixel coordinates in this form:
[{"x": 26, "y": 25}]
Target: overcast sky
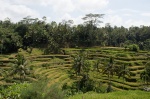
[{"x": 117, "y": 12}]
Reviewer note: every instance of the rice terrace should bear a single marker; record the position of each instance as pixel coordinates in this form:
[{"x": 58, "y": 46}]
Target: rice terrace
[
  {"x": 83, "y": 56},
  {"x": 57, "y": 70}
]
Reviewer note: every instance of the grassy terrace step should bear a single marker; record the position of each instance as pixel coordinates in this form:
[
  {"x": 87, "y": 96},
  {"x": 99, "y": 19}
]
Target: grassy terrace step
[
  {"x": 4, "y": 64},
  {"x": 116, "y": 88},
  {"x": 91, "y": 56},
  {"x": 50, "y": 56},
  {"x": 66, "y": 66},
  {"x": 131, "y": 58},
  {"x": 37, "y": 70},
  {"x": 54, "y": 75},
  {"x": 68, "y": 59},
  {"x": 44, "y": 71},
  {"x": 115, "y": 79},
  {"x": 56, "y": 79},
  {"x": 65, "y": 80},
  {"x": 63, "y": 67},
  {"x": 31, "y": 79},
  {"x": 51, "y": 63},
  {"x": 5, "y": 67},
  {"x": 96, "y": 58},
  {"x": 118, "y": 85},
  {"x": 49, "y": 73},
  {"x": 112, "y": 48},
  {"x": 42, "y": 59},
  {"x": 131, "y": 63},
  {"x": 133, "y": 68},
  {"x": 99, "y": 55},
  {"x": 6, "y": 61},
  {"x": 137, "y": 71},
  {"x": 40, "y": 71}
]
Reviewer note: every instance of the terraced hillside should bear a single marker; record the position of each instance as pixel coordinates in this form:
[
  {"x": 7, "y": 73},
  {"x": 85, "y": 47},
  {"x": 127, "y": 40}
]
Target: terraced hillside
[
  {"x": 52, "y": 67},
  {"x": 55, "y": 67},
  {"x": 134, "y": 61}
]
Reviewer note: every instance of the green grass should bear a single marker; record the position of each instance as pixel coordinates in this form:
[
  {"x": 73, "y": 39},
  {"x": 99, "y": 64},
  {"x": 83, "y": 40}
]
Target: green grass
[{"x": 137, "y": 94}]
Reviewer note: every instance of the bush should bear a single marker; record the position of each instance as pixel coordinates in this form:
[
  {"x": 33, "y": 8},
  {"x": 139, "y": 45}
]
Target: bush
[
  {"x": 134, "y": 47},
  {"x": 13, "y": 92},
  {"x": 40, "y": 90},
  {"x": 29, "y": 50},
  {"x": 57, "y": 61}
]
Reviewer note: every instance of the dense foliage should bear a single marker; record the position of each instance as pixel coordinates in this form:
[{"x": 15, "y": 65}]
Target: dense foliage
[
  {"x": 40, "y": 90},
  {"x": 32, "y": 32},
  {"x": 36, "y": 90},
  {"x": 13, "y": 92}
]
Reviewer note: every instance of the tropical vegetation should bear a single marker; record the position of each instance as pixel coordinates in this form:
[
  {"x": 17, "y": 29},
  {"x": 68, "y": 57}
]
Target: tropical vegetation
[{"x": 41, "y": 60}]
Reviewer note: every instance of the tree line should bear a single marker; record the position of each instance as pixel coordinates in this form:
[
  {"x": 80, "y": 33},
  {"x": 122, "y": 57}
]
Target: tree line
[{"x": 33, "y": 32}]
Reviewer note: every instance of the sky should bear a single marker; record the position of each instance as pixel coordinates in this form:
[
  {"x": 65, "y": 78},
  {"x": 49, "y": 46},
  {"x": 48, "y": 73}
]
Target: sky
[{"x": 117, "y": 12}]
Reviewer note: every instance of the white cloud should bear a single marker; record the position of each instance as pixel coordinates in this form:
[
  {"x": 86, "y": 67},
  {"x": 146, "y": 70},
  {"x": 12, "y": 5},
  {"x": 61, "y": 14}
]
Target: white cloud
[
  {"x": 129, "y": 10},
  {"x": 146, "y": 14},
  {"x": 57, "y": 10},
  {"x": 88, "y": 6},
  {"x": 76, "y": 20},
  {"x": 63, "y": 6},
  {"x": 82, "y": 4},
  {"x": 15, "y": 12},
  {"x": 114, "y": 20},
  {"x": 110, "y": 11},
  {"x": 126, "y": 14},
  {"x": 27, "y": 2},
  {"x": 65, "y": 17},
  {"x": 122, "y": 21},
  {"x": 132, "y": 22}
]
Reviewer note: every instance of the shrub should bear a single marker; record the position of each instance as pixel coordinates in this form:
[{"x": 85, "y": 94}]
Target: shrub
[
  {"x": 40, "y": 90},
  {"x": 29, "y": 50},
  {"x": 13, "y": 92},
  {"x": 57, "y": 61},
  {"x": 134, "y": 47},
  {"x": 20, "y": 50}
]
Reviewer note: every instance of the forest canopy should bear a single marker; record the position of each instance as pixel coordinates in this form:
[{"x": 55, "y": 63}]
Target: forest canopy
[{"x": 33, "y": 32}]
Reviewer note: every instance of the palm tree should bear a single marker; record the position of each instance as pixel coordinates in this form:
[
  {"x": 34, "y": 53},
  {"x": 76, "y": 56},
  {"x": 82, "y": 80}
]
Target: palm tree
[
  {"x": 98, "y": 65},
  {"x": 109, "y": 70},
  {"x": 145, "y": 75},
  {"x": 124, "y": 71},
  {"x": 80, "y": 64},
  {"x": 19, "y": 67}
]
